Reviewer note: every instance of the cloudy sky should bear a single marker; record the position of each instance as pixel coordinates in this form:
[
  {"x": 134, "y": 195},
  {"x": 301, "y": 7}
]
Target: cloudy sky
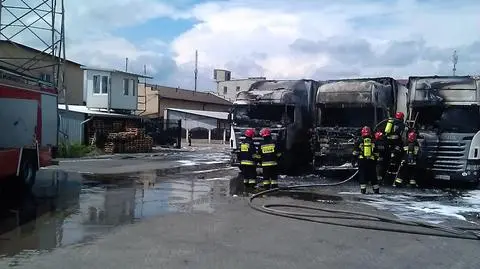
[{"x": 319, "y": 39}]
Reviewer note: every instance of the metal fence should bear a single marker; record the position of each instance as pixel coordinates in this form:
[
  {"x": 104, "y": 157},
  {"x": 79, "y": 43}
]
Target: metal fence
[{"x": 164, "y": 132}]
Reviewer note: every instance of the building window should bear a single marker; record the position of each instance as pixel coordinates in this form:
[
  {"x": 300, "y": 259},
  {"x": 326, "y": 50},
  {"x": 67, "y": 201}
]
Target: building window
[
  {"x": 132, "y": 86},
  {"x": 104, "y": 84},
  {"x": 225, "y": 89},
  {"x": 96, "y": 84},
  {"x": 238, "y": 88},
  {"x": 46, "y": 77},
  {"x": 125, "y": 86}
]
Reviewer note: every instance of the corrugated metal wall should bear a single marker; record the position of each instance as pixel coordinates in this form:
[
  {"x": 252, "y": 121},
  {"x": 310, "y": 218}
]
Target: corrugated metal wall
[{"x": 71, "y": 128}]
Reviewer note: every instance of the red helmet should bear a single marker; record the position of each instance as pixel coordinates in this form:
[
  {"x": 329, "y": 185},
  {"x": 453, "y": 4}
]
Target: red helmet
[
  {"x": 249, "y": 133},
  {"x": 378, "y": 135},
  {"x": 412, "y": 136},
  {"x": 366, "y": 131},
  {"x": 265, "y": 132},
  {"x": 399, "y": 115}
]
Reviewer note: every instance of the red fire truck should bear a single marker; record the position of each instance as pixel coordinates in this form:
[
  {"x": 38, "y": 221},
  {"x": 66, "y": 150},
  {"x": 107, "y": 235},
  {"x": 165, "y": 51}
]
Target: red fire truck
[{"x": 28, "y": 126}]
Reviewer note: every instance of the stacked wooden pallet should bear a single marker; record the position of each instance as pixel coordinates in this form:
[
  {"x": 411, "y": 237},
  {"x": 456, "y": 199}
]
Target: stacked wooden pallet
[{"x": 133, "y": 140}]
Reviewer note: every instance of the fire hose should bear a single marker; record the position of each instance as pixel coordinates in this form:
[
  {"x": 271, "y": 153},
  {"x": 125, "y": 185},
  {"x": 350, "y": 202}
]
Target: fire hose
[{"x": 458, "y": 232}]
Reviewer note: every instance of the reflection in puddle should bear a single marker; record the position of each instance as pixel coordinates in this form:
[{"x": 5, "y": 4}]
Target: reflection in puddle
[{"x": 62, "y": 210}]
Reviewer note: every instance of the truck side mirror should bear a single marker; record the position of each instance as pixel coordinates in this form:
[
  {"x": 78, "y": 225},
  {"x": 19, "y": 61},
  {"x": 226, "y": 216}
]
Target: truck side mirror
[{"x": 229, "y": 117}]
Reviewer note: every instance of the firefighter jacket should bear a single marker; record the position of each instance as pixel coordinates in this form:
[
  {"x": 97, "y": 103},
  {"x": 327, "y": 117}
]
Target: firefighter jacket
[
  {"x": 411, "y": 152},
  {"x": 247, "y": 152},
  {"x": 381, "y": 147},
  {"x": 394, "y": 129},
  {"x": 365, "y": 148},
  {"x": 269, "y": 152}
]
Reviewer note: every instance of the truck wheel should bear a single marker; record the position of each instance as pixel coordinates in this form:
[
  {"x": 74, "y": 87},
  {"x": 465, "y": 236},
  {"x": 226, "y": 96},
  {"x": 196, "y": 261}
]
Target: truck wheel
[{"x": 28, "y": 172}]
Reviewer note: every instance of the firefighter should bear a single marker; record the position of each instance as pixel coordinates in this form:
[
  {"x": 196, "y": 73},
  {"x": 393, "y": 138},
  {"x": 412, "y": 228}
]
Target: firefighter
[
  {"x": 269, "y": 153},
  {"x": 247, "y": 161},
  {"x": 381, "y": 146},
  {"x": 366, "y": 153},
  {"x": 408, "y": 167},
  {"x": 393, "y": 133}
]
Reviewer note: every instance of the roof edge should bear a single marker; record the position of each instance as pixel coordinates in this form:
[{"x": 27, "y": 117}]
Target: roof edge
[{"x": 93, "y": 68}]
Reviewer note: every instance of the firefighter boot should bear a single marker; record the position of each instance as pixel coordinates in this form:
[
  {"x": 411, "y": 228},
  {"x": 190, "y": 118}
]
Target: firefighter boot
[
  {"x": 266, "y": 184},
  {"x": 273, "y": 184},
  {"x": 376, "y": 189},
  {"x": 413, "y": 183},
  {"x": 398, "y": 182},
  {"x": 251, "y": 184},
  {"x": 363, "y": 188}
]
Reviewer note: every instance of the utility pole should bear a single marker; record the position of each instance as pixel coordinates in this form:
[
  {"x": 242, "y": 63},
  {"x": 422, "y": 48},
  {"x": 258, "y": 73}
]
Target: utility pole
[
  {"x": 454, "y": 61},
  {"x": 196, "y": 69}
]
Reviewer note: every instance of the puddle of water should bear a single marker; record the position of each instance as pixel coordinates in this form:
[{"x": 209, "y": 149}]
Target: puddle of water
[{"x": 62, "y": 210}]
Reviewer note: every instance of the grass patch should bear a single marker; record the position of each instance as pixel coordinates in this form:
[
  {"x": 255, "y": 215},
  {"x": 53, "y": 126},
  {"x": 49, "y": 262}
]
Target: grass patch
[{"x": 75, "y": 150}]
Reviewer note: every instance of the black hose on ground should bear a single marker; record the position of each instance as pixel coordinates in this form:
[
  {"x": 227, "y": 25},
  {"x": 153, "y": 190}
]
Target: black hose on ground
[{"x": 458, "y": 232}]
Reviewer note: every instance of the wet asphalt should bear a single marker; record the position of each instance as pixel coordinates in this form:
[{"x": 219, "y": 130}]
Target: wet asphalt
[{"x": 190, "y": 213}]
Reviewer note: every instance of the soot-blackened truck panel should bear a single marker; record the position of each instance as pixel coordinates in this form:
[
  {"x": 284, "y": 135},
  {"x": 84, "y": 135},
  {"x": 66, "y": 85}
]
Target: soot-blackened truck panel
[
  {"x": 448, "y": 120},
  {"x": 439, "y": 90},
  {"x": 356, "y": 93},
  {"x": 281, "y": 92},
  {"x": 293, "y": 99},
  {"x": 343, "y": 107}
]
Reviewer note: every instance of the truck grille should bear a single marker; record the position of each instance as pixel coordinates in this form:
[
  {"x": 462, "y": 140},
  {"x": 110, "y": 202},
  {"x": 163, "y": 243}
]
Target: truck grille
[
  {"x": 336, "y": 141},
  {"x": 448, "y": 155}
]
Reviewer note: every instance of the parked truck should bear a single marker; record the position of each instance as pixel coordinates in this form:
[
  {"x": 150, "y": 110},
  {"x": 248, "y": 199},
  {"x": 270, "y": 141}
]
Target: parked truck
[
  {"x": 446, "y": 112},
  {"x": 28, "y": 124},
  {"x": 342, "y": 107},
  {"x": 284, "y": 106}
]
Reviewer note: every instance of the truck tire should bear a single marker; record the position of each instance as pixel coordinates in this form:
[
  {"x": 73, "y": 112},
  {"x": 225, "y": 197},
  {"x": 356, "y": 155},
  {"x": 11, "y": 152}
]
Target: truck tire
[{"x": 28, "y": 171}]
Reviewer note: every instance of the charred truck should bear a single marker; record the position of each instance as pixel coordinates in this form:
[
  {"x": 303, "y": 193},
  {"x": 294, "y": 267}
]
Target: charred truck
[
  {"x": 342, "y": 108},
  {"x": 284, "y": 106},
  {"x": 446, "y": 112}
]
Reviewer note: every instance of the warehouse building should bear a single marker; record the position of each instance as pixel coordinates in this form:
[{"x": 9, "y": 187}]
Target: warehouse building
[{"x": 154, "y": 100}]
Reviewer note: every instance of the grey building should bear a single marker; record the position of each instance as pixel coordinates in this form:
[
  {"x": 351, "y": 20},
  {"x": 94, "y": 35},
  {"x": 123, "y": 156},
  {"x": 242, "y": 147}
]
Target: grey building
[{"x": 228, "y": 88}]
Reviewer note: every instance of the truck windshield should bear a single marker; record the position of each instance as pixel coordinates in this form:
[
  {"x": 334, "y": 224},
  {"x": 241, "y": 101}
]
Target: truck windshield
[
  {"x": 348, "y": 116},
  {"x": 263, "y": 113},
  {"x": 461, "y": 119}
]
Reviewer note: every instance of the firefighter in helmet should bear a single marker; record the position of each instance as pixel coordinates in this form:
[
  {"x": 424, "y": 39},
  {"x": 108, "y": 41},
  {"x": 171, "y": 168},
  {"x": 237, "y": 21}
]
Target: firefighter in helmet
[
  {"x": 393, "y": 132},
  {"x": 367, "y": 155},
  {"x": 381, "y": 145},
  {"x": 247, "y": 161},
  {"x": 408, "y": 167},
  {"x": 269, "y": 154}
]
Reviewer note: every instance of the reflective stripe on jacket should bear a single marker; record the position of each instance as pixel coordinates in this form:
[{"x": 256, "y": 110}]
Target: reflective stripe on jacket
[
  {"x": 247, "y": 152},
  {"x": 268, "y": 153}
]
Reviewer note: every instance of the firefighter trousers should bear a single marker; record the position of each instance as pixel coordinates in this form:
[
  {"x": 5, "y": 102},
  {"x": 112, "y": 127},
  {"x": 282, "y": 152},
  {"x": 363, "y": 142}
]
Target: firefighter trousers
[
  {"x": 382, "y": 166},
  {"x": 406, "y": 175},
  {"x": 367, "y": 172},
  {"x": 270, "y": 176},
  {"x": 392, "y": 167},
  {"x": 249, "y": 175}
]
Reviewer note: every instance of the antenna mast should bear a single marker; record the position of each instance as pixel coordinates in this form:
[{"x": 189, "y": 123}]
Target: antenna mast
[
  {"x": 196, "y": 69},
  {"x": 38, "y": 24},
  {"x": 454, "y": 61}
]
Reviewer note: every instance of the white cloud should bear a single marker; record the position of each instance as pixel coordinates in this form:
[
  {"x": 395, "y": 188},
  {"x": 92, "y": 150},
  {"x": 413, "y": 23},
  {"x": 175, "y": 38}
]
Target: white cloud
[
  {"x": 368, "y": 38},
  {"x": 281, "y": 38}
]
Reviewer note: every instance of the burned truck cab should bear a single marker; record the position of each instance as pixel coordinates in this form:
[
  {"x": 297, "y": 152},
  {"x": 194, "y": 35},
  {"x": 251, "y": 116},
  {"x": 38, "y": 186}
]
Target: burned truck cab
[
  {"x": 343, "y": 107},
  {"x": 447, "y": 113},
  {"x": 280, "y": 105}
]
